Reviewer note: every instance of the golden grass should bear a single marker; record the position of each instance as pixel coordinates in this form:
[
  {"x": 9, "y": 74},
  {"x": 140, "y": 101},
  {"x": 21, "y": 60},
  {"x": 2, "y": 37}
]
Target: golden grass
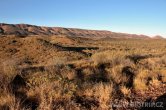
[
  {"x": 155, "y": 82},
  {"x": 140, "y": 85},
  {"x": 103, "y": 93},
  {"x": 75, "y": 79},
  {"x": 9, "y": 101},
  {"x": 140, "y": 82},
  {"x": 126, "y": 91}
]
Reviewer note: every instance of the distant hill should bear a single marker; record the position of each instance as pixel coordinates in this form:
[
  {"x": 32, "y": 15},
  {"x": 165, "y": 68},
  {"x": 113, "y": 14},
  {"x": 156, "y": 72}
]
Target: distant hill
[
  {"x": 26, "y": 29},
  {"x": 158, "y": 37}
]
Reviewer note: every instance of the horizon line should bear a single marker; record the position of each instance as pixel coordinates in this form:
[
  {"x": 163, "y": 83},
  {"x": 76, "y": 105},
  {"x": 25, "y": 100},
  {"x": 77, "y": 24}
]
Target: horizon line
[{"x": 91, "y": 29}]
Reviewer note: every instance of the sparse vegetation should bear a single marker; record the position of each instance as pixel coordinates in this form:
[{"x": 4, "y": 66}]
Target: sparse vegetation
[{"x": 52, "y": 75}]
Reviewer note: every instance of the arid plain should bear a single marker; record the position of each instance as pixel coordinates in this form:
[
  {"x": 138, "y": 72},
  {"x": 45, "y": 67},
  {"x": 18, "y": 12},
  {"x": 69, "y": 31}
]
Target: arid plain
[{"x": 73, "y": 69}]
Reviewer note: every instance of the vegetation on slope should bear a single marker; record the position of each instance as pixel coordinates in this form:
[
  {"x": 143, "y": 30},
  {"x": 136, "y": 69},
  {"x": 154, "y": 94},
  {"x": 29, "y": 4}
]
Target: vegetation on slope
[{"x": 48, "y": 74}]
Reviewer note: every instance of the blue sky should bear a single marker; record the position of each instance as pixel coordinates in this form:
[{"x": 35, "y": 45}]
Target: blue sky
[{"x": 132, "y": 16}]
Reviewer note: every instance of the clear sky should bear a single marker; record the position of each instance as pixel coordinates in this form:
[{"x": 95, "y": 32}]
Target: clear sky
[{"x": 132, "y": 16}]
